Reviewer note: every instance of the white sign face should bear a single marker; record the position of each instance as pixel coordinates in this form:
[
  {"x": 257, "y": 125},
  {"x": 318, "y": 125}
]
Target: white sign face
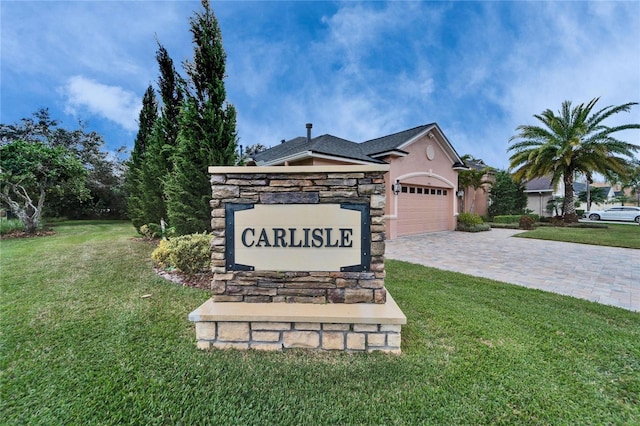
[{"x": 297, "y": 237}]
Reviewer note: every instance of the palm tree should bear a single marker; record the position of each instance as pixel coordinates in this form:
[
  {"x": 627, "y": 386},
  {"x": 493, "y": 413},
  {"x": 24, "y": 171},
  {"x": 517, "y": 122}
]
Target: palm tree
[
  {"x": 476, "y": 177},
  {"x": 575, "y": 140}
]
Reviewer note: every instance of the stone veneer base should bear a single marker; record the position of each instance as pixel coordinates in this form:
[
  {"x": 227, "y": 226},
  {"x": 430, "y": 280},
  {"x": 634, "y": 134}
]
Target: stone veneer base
[{"x": 358, "y": 327}]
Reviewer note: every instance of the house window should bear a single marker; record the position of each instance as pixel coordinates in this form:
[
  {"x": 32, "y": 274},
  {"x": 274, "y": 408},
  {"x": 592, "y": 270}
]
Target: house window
[
  {"x": 419, "y": 190},
  {"x": 404, "y": 189},
  {"x": 444, "y": 192},
  {"x": 439, "y": 191},
  {"x": 412, "y": 190},
  {"x": 433, "y": 191}
]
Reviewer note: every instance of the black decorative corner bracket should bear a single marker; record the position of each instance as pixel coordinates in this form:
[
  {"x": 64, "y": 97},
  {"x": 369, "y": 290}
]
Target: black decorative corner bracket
[
  {"x": 230, "y": 252},
  {"x": 365, "y": 240}
]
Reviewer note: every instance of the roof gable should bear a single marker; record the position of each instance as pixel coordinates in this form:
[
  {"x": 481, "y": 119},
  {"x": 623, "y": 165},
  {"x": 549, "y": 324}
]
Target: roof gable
[
  {"x": 541, "y": 184},
  {"x": 282, "y": 150},
  {"x": 332, "y": 145},
  {"x": 341, "y": 149},
  {"x": 393, "y": 142}
]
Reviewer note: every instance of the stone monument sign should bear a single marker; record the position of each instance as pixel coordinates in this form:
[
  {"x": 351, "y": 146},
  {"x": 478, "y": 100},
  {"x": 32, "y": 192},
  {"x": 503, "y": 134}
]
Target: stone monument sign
[{"x": 294, "y": 251}]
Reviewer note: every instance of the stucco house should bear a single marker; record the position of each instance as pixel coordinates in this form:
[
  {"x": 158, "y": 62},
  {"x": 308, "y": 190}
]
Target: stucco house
[
  {"x": 423, "y": 171},
  {"x": 540, "y": 191}
]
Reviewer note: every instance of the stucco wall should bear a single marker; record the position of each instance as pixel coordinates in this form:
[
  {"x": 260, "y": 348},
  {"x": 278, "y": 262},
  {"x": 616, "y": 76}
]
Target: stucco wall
[
  {"x": 417, "y": 169},
  {"x": 537, "y": 203}
]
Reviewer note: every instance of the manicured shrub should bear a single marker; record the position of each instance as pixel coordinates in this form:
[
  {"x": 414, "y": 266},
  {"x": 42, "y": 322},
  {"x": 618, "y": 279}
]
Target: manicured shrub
[
  {"x": 511, "y": 218},
  {"x": 161, "y": 253},
  {"x": 471, "y": 222},
  {"x": 527, "y": 222},
  {"x": 469, "y": 219},
  {"x": 474, "y": 228},
  {"x": 151, "y": 231},
  {"x": 191, "y": 253},
  {"x": 514, "y": 218},
  {"x": 504, "y": 225},
  {"x": 188, "y": 253}
]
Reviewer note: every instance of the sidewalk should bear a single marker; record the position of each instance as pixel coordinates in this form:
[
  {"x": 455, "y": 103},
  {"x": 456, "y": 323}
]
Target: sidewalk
[{"x": 607, "y": 275}]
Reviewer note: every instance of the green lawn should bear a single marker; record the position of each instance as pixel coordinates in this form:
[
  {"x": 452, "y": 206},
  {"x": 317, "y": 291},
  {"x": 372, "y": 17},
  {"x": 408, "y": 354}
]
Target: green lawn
[
  {"x": 80, "y": 345},
  {"x": 615, "y": 235}
]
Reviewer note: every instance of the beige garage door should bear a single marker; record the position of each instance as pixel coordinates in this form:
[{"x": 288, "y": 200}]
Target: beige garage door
[{"x": 424, "y": 209}]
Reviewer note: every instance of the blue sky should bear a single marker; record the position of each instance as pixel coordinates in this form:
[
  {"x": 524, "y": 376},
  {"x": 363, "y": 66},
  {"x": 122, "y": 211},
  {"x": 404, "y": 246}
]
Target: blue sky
[{"x": 356, "y": 70}]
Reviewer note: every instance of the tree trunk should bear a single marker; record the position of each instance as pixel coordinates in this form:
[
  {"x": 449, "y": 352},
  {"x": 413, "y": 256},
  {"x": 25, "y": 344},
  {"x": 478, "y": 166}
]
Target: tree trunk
[
  {"x": 28, "y": 213},
  {"x": 30, "y": 226},
  {"x": 569, "y": 208}
]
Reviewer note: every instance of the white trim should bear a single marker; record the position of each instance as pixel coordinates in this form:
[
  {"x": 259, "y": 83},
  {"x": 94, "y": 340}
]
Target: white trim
[
  {"x": 428, "y": 174},
  {"x": 347, "y": 168},
  {"x": 282, "y": 160},
  {"x": 448, "y": 149},
  {"x": 394, "y": 213},
  {"x": 311, "y": 154},
  {"x": 416, "y": 137},
  {"x": 333, "y": 157},
  {"x": 390, "y": 152},
  {"x": 453, "y": 188}
]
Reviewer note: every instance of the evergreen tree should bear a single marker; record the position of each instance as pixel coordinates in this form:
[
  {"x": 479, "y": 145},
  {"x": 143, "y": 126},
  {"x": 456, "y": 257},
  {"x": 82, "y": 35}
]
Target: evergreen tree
[
  {"x": 133, "y": 178},
  {"x": 161, "y": 147},
  {"x": 506, "y": 196},
  {"x": 207, "y": 128}
]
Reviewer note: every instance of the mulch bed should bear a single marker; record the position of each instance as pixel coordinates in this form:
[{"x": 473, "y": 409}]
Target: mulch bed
[
  {"x": 21, "y": 234},
  {"x": 202, "y": 280}
]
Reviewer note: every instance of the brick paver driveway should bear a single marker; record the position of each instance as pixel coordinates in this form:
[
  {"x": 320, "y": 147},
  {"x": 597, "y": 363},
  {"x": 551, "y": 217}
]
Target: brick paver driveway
[{"x": 607, "y": 275}]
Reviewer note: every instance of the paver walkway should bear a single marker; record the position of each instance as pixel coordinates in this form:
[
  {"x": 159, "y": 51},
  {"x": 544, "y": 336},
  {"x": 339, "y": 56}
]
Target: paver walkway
[{"x": 607, "y": 275}]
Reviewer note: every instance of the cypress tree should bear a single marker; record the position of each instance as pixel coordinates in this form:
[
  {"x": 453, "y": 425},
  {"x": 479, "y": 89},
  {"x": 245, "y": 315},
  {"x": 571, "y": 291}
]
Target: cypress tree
[
  {"x": 133, "y": 176},
  {"x": 158, "y": 163},
  {"x": 506, "y": 196},
  {"x": 207, "y": 128}
]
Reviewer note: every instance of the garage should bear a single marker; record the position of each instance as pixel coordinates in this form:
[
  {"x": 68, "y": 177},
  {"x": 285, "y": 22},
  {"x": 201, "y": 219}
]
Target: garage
[{"x": 424, "y": 209}]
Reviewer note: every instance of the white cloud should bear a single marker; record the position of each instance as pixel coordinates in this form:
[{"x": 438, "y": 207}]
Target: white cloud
[
  {"x": 595, "y": 61},
  {"x": 110, "y": 102},
  {"x": 537, "y": 58}
]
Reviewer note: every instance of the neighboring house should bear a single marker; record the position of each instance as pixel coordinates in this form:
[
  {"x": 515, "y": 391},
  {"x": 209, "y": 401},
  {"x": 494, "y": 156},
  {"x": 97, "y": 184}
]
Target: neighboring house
[
  {"x": 422, "y": 161},
  {"x": 539, "y": 192}
]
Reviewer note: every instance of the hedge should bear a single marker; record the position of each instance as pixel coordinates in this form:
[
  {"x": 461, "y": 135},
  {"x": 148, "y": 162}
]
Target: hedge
[{"x": 514, "y": 218}]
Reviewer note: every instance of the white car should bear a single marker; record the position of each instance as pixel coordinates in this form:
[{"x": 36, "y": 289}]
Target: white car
[{"x": 625, "y": 213}]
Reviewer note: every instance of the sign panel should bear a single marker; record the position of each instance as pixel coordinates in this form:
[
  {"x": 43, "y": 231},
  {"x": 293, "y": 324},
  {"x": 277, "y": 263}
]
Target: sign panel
[{"x": 298, "y": 237}]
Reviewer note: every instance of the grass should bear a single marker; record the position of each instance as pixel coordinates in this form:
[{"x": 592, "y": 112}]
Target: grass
[
  {"x": 10, "y": 225},
  {"x": 615, "y": 235},
  {"x": 80, "y": 345}
]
